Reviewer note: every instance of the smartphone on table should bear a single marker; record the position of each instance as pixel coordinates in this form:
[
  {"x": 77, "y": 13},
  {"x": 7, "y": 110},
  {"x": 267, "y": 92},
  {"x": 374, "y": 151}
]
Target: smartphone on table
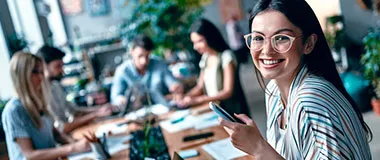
[{"x": 223, "y": 113}]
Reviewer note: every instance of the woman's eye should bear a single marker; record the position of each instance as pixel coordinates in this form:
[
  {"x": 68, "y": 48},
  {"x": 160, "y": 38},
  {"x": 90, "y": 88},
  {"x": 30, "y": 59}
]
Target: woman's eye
[
  {"x": 282, "y": 38},
  {"x": 258, "y": 38}
]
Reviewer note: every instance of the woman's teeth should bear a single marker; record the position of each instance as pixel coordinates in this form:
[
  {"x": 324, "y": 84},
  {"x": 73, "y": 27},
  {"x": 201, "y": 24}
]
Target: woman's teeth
[{"x": 269, "y": 62}]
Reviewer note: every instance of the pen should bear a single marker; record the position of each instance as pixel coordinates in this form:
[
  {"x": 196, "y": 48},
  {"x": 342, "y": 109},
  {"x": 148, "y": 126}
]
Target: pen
[
  {"x": 123, "y": 123},
  {"x": 178, "y": 120}
]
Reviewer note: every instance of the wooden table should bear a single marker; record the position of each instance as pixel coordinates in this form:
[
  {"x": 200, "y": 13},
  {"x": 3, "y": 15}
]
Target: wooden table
[{"x": 174, "y": 141}]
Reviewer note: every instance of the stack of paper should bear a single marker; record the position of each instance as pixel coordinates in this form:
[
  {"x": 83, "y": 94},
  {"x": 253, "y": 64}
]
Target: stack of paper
[{"x": 223, "y": 150}]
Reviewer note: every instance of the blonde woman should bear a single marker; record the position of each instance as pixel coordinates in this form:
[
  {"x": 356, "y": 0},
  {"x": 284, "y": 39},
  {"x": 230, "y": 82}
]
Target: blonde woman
[{"x": 27, "y": 124}]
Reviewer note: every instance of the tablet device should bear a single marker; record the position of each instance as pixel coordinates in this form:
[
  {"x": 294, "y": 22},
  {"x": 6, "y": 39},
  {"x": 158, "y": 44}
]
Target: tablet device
[{"x": 223, "y": 113}]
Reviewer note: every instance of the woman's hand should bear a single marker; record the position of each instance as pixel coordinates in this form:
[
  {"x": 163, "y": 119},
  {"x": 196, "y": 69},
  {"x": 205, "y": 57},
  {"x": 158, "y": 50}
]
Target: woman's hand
[
  {"x": 176, "y": 88},
  {"x": 104, "y": 111},
  {"x": 80, "y": 146},
  {"x": 245, "y": 137},
  {"x": 184, "y": 102},
  {"x": 189, "y": 101}
]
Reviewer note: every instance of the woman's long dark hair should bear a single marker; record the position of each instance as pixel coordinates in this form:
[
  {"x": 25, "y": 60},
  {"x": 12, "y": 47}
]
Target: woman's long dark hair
[
  {"x": 301, "y": 15},
  {"x": 212, "y": 35}
]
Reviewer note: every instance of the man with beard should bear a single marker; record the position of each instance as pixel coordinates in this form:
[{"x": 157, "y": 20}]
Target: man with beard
[
  {"x": 143, "y": 69},
  {"x": 66, "y": 115}
]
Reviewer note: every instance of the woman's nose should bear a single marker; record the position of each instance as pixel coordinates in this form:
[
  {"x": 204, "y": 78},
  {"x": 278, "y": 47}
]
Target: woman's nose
[
  {"x": 195, "y": 47},
  {"x": 267, "y": 47}
]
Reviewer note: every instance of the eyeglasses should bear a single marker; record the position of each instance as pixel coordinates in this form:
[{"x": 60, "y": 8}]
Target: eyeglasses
[{"x": 281, "y": 43}]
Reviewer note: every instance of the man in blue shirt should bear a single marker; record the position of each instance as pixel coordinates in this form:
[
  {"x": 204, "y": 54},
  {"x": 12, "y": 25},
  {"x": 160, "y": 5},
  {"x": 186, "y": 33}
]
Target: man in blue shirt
[{"x": 143, "y": 69}]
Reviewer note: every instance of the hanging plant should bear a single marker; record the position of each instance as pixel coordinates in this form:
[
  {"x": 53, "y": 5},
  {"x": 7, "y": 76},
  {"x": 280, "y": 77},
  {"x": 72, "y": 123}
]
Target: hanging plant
[
  {"x": 17, "y": 43},
  {"x": 166, "y": 22}
]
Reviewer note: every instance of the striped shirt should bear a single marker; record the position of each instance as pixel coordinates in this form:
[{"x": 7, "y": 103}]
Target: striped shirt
[{"x": 320, "y": 122}]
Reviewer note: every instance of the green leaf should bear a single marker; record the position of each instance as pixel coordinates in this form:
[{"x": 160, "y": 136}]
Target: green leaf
[{"x": 371, "y": 58}]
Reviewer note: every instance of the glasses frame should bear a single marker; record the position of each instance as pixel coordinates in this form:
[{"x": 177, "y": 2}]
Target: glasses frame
[{"x": 292, "y": 38}]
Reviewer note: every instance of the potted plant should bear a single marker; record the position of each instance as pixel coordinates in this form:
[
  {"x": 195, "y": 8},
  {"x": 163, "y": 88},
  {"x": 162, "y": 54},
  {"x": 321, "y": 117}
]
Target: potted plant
[
  {"x": 371, "y": 61},
  {"x": 148, "y": 142}
]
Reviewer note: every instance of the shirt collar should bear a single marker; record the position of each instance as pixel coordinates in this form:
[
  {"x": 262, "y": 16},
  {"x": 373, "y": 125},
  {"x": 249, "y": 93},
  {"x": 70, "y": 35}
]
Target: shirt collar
[
  {"x": 134, "y": 69},
  {"x": 302, "y": 73}
]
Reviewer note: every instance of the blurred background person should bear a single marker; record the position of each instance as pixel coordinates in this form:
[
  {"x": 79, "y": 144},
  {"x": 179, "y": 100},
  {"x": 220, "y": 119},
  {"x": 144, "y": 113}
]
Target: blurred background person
[
  {"x": 142, "y": 69},
  {"x": 67, "y": 116},
  {"x": 219, "y": 79},
  {"x": 236, "y": 39},
  {"x": 28, "y": 124}
]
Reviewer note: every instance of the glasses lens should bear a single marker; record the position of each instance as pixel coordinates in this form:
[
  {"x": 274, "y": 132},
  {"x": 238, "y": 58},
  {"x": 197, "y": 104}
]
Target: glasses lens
[
  {"x": 255, "y": 42},
  {"x": 281, "y": 43}
]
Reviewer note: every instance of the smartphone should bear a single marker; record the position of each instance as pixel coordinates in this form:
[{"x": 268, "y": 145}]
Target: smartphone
[{"x": 223, "y": 113}]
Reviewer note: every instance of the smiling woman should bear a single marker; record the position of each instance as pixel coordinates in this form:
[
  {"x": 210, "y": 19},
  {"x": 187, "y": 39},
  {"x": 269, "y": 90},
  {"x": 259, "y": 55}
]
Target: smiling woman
[
  {"x": 310, "y": 114},
  {"x": 285, "y": 38}
]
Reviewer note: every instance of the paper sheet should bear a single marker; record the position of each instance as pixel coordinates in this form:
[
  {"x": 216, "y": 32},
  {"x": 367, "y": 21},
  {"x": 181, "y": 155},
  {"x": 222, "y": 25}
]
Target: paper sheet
[
  {"x": 206, "y": 121},
  {"x": 223, "y": 150},
  {"x": 186, "y": 123},
  {"x": 157, "y": 109},
  {"x": 198, "y": 122},
  {"x": 114, "y": 144}
]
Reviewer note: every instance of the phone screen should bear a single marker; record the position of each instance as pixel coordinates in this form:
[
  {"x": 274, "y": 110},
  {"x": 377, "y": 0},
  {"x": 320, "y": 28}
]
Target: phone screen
[{"x": 224, "y": 114}]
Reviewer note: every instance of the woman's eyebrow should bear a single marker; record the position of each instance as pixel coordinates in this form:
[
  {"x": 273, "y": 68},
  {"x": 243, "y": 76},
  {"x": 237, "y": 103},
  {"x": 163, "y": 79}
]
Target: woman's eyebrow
[
  {"x": 278, "y": 31},
  {"x": 283, "y": 30}
]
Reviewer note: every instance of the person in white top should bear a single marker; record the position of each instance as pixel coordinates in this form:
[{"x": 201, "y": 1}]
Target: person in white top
[{"x": 218, "y": 80}]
